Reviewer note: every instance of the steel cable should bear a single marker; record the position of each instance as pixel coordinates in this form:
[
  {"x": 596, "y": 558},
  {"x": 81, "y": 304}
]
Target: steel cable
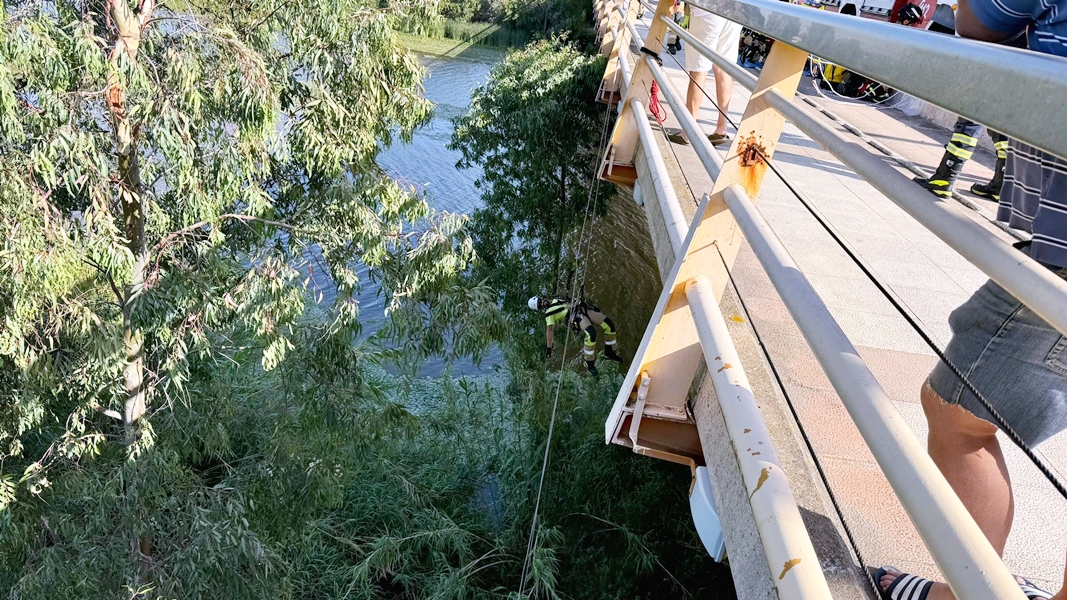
[
  {"x": 898, "y": 305},
  {"x": 591, "y": 198},
  {"x": 785, "y": 393}
]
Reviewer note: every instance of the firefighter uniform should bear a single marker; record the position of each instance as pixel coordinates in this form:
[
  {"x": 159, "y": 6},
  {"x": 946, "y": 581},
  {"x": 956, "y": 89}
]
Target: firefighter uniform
[
  {"x": 959, "y": 150},
  {"x": 965, "y": 134},
  {"x": 585, "y": 318}
]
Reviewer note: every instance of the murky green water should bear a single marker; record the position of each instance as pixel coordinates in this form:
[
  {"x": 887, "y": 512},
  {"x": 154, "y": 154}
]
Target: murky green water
[{"x": 622, "y": 275}]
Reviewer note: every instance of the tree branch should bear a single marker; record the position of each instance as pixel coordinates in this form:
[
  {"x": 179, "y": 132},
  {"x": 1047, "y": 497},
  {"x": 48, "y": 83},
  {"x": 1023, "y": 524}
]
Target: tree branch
[
  {"x": 266, "y": 18},
  {"x": 110, "y": 280},
  {"x": 106, "y": 412},
  {"x": 170, "y": 237},
  {"x": 144, "y": 12}
]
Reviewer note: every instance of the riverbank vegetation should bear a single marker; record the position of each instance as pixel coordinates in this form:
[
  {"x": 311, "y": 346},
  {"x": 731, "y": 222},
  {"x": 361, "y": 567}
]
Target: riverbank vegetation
[
  {"x": 500, "y": 23},
  {"x": 183, "y": 416},
  {"x": 535, "y": 117}
]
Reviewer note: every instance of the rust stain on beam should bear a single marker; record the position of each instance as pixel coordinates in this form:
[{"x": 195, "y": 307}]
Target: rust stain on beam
[
  {"x": 764, "y": 475},
  {"x": 789, "y": 564}
]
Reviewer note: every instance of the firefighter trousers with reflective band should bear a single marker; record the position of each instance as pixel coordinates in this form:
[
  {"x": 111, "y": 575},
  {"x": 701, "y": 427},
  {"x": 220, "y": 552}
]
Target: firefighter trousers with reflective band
[
  {"x": 589, "y": 323},
  {"x": 965, "y": 136}
]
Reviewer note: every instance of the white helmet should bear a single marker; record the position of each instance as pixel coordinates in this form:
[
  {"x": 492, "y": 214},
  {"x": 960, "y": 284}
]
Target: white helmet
[{"x": 533, "y": 302}]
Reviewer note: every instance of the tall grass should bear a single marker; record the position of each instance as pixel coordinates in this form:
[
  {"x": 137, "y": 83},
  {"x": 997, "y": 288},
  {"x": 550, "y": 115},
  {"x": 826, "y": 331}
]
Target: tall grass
[
  {"x": 486, "y": 34},
  {"x": 483, "y": 34}
]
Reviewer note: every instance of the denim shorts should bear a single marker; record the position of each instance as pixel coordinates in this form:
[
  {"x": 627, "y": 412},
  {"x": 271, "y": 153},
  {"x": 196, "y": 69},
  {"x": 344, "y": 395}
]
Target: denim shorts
[{"x": 1016, "y": 360}]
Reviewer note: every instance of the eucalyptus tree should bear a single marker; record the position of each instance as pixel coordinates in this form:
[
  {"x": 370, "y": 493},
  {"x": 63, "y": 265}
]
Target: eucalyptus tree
[
  {"x": 172, "y": 175},
  {"x": 535, "y": 130}
]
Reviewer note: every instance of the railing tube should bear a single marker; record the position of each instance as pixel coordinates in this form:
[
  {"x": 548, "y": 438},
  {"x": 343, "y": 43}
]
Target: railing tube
[
  {"x": 790, "y": 555},
  {"x": 711, "y": 159},
  {"x": 1006, "y": 89},
  {"x": 624, "y": 67},
  {"x": 668, "y": 200},
  {"x": 748, "y": 80},
  {"x": 972, "y": 568},
  {"x": 634, "y": 35},
  {"x": 1033, "y": 284}
]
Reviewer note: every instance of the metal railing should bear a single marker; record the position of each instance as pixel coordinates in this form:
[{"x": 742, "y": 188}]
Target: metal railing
[
  {"x": 1023, "y": 110},
  {"x": 1010, "y": 90},
  {"x": 1033, "y": 284}
]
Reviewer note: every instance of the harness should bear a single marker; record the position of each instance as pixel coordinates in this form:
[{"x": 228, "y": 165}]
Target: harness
[{"x": 576, "y": 308}]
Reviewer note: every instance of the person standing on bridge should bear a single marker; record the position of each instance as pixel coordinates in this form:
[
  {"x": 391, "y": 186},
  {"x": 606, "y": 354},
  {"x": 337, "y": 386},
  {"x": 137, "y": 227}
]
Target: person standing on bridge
[
  {"x": 723, "y": 37},
  {"x": 958, "y": 151},
  {"x": 584, "y": 317},
  {"x": 965, "y": 133},
  {"x": 1012, "y": 356}
]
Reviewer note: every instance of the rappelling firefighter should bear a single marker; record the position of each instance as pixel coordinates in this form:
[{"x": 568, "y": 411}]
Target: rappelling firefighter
[{"x": 581, "y": 316}]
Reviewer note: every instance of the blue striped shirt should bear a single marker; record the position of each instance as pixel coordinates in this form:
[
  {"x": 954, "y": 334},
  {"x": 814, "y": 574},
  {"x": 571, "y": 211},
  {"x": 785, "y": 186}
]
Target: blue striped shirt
[
  {"x": 1034, "y": 196},
  {"x": 1034, "y": 199},
  {"x": 1046, "y": 19}
]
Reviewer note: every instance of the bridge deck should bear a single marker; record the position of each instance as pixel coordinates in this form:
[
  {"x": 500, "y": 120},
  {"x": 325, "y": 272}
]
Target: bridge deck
[{"x": 929, "y": 276}]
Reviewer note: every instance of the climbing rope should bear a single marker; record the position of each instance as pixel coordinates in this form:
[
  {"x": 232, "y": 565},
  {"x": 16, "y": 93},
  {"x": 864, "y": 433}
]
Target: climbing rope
[
  {"x": 817, "y": 68},
  {"x": 591, "y": 201}
]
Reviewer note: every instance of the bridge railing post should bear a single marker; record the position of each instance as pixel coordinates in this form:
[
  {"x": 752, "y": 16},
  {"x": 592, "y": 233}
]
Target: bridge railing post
[
  {"x": 745, "y": 164},
  {"x": 670, "y": 351},
  {"x": 619, "y": 154},
  {"x": 665, "y": 357},
  {"x": 614, "y": 39}
]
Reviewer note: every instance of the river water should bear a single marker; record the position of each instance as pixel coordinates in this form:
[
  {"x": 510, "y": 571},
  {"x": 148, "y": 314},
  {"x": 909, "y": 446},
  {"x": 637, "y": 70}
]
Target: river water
[{"x": 622, "y": 276}]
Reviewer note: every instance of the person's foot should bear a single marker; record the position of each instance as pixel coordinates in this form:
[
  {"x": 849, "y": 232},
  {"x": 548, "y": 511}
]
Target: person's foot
[
  {"x": 609, "y": 353},
  {"x": 940, "y": 187},
  {"x": 888, "y": 575},
  {"x": 941, "y": 182},
  {"x": 986, "y": 190},
  {"x": 678, "y": 137},
  {"x": 719, "y": 139},
  {"x": 592, "y": 368},
  {"x": 909, "y": 587}
]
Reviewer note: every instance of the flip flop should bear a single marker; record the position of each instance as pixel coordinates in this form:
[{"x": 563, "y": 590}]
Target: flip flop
[
  {"x": 905, "y": 587},
  {"x": 1032, "y": 591},
  {"x": 719, "y": 139},
  {"x": 677, "y": 138}
]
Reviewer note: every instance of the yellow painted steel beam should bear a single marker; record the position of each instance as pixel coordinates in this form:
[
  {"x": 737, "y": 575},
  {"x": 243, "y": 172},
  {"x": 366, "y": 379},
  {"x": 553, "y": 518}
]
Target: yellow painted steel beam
[
  {"x": 670, "y": 352},
  {"x": 624, "y": 138}
]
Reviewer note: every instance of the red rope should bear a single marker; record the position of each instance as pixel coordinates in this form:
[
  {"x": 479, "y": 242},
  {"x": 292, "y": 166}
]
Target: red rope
[{"x": 654, "y": 106}]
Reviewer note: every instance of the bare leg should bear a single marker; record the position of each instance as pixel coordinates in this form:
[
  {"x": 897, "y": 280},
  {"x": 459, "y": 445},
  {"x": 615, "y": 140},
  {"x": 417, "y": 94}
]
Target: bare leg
[
  {"x": 693, "y": 96},
  {"x": 966, "y": 450},
  {"x": 724, "y": 89}
]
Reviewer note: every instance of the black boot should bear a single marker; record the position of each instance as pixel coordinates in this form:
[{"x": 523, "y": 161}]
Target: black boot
[
  {"x": 991, "y": 189},
  {"x": 944, "y": 177},
  {"x": 609, "y": 353},
  {"x": 591, "y": 365}
]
